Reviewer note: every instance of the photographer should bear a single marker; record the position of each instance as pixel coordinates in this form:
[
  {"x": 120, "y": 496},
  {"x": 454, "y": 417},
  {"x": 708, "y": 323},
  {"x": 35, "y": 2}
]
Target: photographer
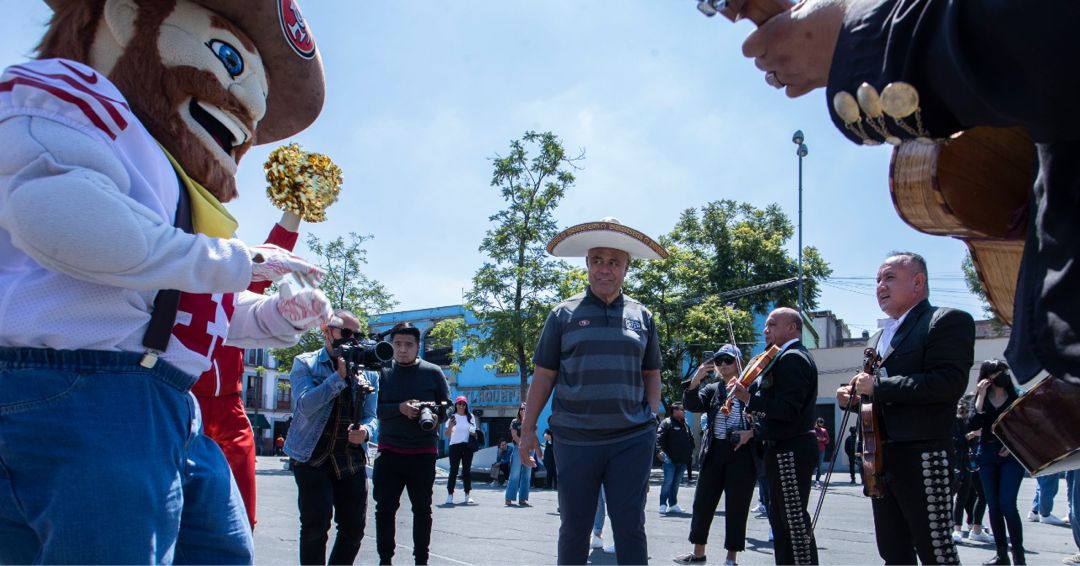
[
  {"x": 413, "y": 399},
  {"x": 328, "y": 450}
]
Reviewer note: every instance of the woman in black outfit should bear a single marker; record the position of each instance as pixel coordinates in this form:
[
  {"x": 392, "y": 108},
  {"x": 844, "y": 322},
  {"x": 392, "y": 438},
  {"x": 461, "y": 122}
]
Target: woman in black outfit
[
  {"x": 727, "y": 462},
  {"x": 1000, "y": 472},
  {"x": 968, "y": 486}
]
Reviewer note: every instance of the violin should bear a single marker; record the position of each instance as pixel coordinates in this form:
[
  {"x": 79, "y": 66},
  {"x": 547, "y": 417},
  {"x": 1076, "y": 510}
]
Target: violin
[
  {"x": 758, "y": 364},
  {"x": 873, "y": 464}
]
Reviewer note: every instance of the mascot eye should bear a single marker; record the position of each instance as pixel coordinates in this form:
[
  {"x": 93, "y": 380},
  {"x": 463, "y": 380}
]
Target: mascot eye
[{"x": 229, "y": 56}]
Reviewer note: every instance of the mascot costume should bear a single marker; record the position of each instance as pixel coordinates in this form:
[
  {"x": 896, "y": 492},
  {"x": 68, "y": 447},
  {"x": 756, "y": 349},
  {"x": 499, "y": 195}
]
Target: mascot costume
[{"x": 119, "y": 275}]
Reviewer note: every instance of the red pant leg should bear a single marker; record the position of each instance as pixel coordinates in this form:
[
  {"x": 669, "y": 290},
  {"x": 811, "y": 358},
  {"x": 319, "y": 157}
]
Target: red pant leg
[{"x": 226, "y": 423}]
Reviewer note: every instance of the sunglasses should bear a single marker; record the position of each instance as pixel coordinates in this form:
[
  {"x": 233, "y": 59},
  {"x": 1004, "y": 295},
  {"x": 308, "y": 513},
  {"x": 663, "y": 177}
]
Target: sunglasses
[
  {"x": 346, "y": 332},
  {"x": 725, "y": 360}
]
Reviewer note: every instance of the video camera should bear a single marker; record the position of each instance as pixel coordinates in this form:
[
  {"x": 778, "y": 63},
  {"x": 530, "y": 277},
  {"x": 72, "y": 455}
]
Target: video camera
[
  {"x": 360, "y": 354},
  {"x": 365, "y": 353},
  {"x": 428, "y": 411}
]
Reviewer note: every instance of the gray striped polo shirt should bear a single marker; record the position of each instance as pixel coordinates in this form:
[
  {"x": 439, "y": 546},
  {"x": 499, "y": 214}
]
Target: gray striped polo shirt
[{"x": 599, "y": 351}]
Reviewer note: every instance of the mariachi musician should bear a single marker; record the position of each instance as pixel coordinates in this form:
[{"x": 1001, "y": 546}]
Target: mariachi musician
[
  {"x": 782, "y": 402},
  {"x": 926, "y": 354}
]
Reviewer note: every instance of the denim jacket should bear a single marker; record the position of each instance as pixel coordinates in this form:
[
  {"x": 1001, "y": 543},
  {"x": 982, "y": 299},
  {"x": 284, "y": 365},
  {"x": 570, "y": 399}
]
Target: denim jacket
[{"x": 315, "y": 386}]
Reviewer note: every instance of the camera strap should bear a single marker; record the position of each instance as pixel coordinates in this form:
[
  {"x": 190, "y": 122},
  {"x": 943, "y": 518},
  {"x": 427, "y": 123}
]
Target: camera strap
[{"x": 167, "y": 301}]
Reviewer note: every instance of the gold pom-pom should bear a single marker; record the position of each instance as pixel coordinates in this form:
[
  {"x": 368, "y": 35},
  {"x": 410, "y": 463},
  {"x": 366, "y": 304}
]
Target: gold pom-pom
[{"x": 302, "y": 183}]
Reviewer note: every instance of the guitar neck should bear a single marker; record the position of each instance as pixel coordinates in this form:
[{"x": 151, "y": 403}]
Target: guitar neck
[{"x": 757, "y": 11}]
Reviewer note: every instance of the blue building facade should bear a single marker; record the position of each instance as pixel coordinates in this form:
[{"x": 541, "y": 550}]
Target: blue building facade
[{"x": 493, "y": 397}]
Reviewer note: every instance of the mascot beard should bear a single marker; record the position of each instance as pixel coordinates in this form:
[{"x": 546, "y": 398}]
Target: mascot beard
[{"x": 185, "y": 94}]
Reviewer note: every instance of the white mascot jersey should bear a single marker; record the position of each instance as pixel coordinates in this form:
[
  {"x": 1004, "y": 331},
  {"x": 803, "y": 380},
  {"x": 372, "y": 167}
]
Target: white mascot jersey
[{"x": 66, "y": 305}]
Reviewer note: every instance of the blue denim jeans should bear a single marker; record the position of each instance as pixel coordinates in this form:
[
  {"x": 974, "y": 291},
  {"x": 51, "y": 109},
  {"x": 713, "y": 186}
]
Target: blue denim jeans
[
  {"x": 1001, "y": 477},
  {"x": 517, "y": 482},
  {"x": 103, "y": 461},
  {"x": 1072, "y": 482},
  {"x": 1046, "y": 489},
  {"x": 598, "y": 520},
  {"x": 669, "y": 490}
]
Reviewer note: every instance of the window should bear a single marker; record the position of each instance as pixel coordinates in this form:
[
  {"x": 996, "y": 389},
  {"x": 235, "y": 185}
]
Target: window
[
  {"x": 253, "y": 396},
  {"x": 284, "y": 395},
  {"x": 255, "y": 358}
]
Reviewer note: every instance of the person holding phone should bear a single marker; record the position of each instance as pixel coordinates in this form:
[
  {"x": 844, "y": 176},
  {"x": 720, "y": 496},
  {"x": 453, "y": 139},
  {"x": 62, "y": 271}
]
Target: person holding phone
[{"x": 727, "y": 464}]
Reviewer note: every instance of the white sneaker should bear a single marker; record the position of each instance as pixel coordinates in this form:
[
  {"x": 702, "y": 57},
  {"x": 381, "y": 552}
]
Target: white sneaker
[
  {"x": 1033, "y": 517},
  {"x": 663, "y": 509},
  {"x": 1051, "y": 519},
  {"x": 675, "y": 509},
  {"x": 450, "y": 499},
  {"x": 980, "y": 537},
  {"x": 1074, "y": 559},
  {"x": 609, "y": 549},
  {"x": 760, "y": 509},
  {"x": 469, "y": 500},
  {"x": 597, "y": 542},
  {"x": 957, "y": 536}
]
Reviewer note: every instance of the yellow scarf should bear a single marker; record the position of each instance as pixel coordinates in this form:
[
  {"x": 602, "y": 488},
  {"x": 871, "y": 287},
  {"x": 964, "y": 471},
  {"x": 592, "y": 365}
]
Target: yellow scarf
[{"x": 208, "y": 215}]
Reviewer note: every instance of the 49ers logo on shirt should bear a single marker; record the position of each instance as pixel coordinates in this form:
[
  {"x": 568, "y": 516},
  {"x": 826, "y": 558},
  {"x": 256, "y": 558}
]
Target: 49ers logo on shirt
[
  {"x": 295, "y": 29},
  {"x": 202, "y": 321}
]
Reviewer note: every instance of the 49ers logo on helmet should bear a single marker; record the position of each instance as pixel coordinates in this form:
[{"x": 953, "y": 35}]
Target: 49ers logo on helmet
[{"x": 296, "y": 31}]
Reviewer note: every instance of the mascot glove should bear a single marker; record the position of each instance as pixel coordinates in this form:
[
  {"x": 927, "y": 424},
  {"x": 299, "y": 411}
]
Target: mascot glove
[
  {"x": 271, "y": 263},
  {"x": 306, "y": 309}
]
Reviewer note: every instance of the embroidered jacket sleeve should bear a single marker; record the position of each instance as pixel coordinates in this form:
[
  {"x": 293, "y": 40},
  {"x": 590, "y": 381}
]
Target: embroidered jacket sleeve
[{"x": 972, "y": 63}]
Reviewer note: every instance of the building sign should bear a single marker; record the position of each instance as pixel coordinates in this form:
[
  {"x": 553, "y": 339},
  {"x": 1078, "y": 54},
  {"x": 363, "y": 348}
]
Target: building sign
[{"x": 491, "y": 396}]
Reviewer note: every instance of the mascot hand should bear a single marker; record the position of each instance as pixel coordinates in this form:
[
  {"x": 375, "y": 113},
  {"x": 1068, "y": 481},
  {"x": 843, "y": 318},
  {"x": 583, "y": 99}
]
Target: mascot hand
[
  {"x": 271, "y": 263},
  {"x": 306, "y": 309}
]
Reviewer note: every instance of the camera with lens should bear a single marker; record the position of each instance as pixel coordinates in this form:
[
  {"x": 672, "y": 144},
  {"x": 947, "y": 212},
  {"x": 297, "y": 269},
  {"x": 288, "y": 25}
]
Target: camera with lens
[
  {"x": 363, "y": 353},
  {"x": 429, "y": 410}
]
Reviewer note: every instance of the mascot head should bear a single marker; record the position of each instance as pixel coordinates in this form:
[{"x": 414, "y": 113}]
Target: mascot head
[{"x": 208, "y": 78}]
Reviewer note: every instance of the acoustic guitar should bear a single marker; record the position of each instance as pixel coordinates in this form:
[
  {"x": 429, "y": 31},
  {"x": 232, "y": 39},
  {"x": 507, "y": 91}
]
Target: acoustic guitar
[{"x": 974, "y": 186}]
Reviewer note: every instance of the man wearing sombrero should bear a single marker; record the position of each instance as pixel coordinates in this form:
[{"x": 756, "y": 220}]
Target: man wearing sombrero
[
  {"x": 120, "y": 275},
  {"x": 600, "y": 353}
]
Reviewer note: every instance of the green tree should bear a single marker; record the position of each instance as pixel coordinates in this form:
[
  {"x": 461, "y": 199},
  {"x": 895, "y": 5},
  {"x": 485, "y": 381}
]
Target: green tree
[
  {"x": 715, "y": 249},
  {"x": 513, "y": 291},
  {"x": 344, "y": 284}
]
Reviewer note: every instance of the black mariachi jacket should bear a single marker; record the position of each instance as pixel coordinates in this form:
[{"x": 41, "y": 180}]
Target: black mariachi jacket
[
  {"x": 926, "y": 372},
  {"x": 785, "y": 396}
]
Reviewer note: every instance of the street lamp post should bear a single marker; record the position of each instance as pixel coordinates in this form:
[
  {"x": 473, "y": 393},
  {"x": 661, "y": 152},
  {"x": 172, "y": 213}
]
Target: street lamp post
[{"x": 797, "y": 138}]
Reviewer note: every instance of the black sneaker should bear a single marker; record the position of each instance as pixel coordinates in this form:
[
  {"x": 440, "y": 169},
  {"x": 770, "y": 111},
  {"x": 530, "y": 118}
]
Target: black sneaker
[{"x": 689, "y": 558}]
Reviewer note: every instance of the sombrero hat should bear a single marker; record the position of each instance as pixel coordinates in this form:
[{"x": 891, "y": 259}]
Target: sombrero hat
[
  {"x": 576, "y": 241},
  {"x": 293, "y": 63}
]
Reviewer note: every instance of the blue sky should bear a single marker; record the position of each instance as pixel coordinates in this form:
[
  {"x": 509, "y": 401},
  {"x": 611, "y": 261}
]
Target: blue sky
[{"x": 668, "y": 112}]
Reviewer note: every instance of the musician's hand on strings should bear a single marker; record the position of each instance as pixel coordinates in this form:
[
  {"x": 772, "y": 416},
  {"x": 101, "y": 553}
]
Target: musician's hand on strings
[
  {"x": 736, "y": 387},
  {"x": 795, "y": 48},
  {"x": 744, "y": 437},
  {"x": 864, "y": 384}
]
